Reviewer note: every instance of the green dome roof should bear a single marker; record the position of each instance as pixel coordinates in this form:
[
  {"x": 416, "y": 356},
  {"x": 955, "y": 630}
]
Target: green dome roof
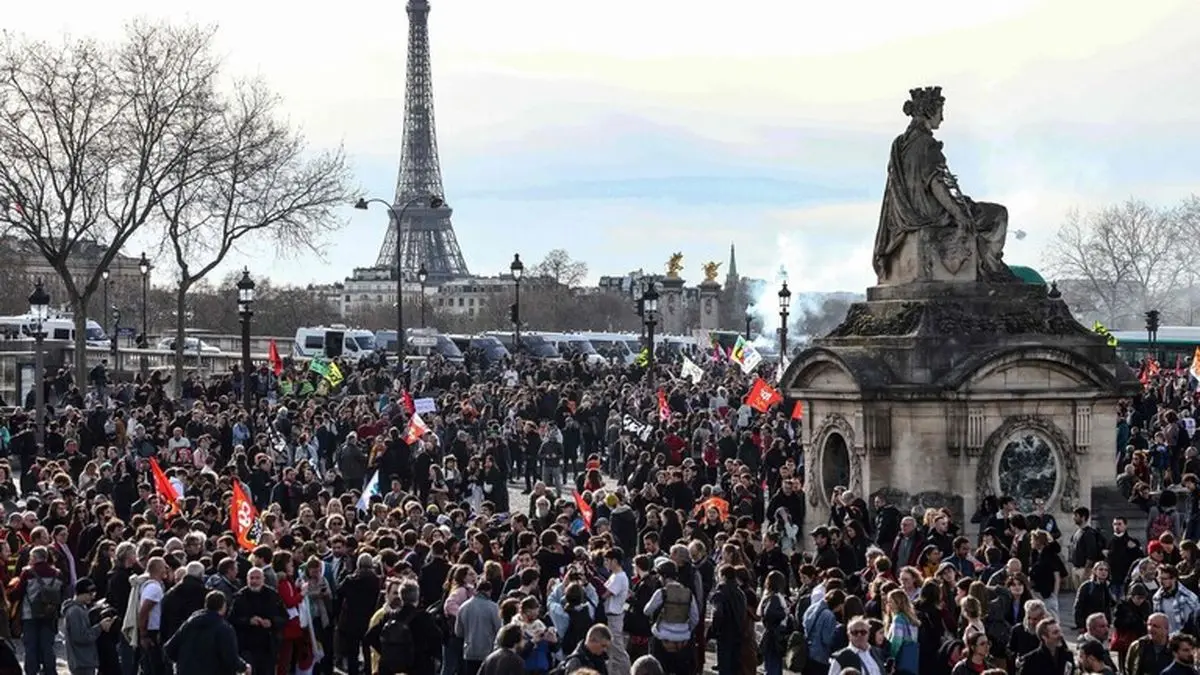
[{"x": 1027, "y": 274}]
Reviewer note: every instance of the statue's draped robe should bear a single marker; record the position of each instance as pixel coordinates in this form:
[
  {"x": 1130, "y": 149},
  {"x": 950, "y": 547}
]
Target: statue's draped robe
[{"x": 909, "y": 205}]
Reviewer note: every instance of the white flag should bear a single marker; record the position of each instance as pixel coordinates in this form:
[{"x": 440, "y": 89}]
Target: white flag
[
  {"x": 750, "y": 358},
  {"x": 783, "y": 365},
  {"x": 364, "y": 502},
  {"x": 691, "y": 371}
]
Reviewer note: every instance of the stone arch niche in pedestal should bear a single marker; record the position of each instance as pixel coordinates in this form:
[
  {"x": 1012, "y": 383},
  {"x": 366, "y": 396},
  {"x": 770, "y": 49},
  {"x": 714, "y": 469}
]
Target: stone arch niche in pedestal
[{"x": 835, "y": 462}]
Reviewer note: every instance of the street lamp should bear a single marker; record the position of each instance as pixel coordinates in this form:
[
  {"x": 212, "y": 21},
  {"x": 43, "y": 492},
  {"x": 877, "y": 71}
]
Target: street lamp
[
  {"x": 245, "y": 288},
  {"x": 422, "y": 275},
  {"x": 39, "y": 307},
  {"x": 650, "y": 313},
  {"x": 518, "y": 270},
  {"x": 434, "y": 202},
  {"x": 748, "y": 320},
  {"x": 785, "y": 299},
  {"x": 104, "y": 275},
  {"x": 144, "y": 268},
  {"x": 113, "y": 344}
]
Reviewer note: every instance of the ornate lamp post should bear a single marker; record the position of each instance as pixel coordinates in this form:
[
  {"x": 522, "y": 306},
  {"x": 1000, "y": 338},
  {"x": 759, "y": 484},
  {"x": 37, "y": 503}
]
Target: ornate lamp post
[
  {"x": 650, "y": 312},
  {"x": 105, "y": 275},
  {"x": 114, "y": 345},
  {"x": 422, "y": 275},
  {"x": 144, "y": 268},
  {"x": 434, "y": 202},
  {"x": 785, "y": 300},
  {"x": 39, "y": 307},
  {"x": 245, "y": 288},
  {"x": 518, "y": 270}
]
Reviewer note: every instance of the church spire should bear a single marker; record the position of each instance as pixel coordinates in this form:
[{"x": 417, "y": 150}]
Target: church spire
[{"x": 731, "y": 274}]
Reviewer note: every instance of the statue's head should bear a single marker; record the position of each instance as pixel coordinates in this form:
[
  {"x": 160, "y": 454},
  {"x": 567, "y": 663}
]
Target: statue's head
[{"x": 925, "y": 105}]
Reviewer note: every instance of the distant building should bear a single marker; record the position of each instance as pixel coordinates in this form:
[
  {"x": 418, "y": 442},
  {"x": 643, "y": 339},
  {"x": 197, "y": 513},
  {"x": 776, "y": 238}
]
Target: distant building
[
  {"x": 332, "y": 294},
  {"x": 24, "y": 259}
]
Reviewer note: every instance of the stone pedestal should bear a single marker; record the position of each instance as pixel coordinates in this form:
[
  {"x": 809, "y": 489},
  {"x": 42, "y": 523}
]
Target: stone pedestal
[
  {"x": 942, "y": 393},
  {"x": 672, "y": 315},
  {"x": 710, "y": 306}
]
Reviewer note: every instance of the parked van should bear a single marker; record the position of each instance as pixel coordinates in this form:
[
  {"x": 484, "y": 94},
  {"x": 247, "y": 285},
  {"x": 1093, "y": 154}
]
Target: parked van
[
  {"x": 532, "y": 345},
  {"x": 490, "y": 349},
  {"x": 623, "y": 348},
  {"x": 421, "y": 342},
  {"x": 311, "y": 343},
  {"x": 570, "y": 344},
  {"x": 56, "y": 328}
]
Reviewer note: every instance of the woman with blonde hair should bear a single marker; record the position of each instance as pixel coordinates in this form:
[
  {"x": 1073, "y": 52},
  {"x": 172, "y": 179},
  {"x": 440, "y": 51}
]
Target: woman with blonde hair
[{"x": 902, "y": 629}]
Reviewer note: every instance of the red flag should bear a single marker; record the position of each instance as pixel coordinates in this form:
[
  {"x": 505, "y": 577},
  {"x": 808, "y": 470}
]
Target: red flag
[
  {"x": 798, "y": 410},
  {"x": 416, "y": 429},
  {"x": 407, "y": 400},
  {"x": 664, "y": 410},
  {"x": 164, "y": 488},
  {"x": 243, "y": 519},
  {"x": 762, "y": 396},
  {"x": 273, "y": 357},
  {"x": 585, "y": 511}
]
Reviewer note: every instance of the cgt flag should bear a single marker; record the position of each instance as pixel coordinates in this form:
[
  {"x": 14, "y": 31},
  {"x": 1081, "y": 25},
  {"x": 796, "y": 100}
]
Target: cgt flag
[
  {"x": 664, "y": 410},
  {"x": 416, "y": 429},
  {"x": 164, "y": 488},
  {"x": 244, "y": 519},
  {"x": 762, "y": 396}
]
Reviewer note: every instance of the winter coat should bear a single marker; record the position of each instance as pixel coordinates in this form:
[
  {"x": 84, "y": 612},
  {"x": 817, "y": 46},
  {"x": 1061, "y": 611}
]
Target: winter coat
[
  {"x": 205, "y": 645},
  {"x": 80, "y": 637}
]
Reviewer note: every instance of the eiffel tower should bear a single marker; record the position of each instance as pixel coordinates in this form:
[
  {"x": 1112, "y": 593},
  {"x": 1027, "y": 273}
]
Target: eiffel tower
[{"x": 426, "y": 234}]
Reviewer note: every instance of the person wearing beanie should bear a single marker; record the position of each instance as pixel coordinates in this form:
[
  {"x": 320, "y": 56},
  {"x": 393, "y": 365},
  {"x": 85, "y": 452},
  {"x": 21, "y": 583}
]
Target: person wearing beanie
[
  {"x": 1129, "y": 619},
  {"x": 79, "y": 633}
]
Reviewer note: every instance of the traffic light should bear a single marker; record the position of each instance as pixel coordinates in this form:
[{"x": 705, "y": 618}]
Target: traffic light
[
  {"x": 1152, "y": 321},
  {"x": 514, "y": 314}
]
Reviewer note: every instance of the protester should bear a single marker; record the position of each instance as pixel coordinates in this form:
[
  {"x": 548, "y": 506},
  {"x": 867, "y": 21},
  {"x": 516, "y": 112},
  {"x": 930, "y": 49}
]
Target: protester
[{"x": 549, "y": 516}]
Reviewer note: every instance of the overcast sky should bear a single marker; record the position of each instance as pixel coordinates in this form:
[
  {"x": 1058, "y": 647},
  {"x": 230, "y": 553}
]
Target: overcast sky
[{"x": 625, "y": 130}]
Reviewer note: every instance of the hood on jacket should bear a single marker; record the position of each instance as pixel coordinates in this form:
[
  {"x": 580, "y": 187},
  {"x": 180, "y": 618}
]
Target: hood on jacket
[
  {"x": 203, "y": 619},
  {"x": 72, "y": 602}
]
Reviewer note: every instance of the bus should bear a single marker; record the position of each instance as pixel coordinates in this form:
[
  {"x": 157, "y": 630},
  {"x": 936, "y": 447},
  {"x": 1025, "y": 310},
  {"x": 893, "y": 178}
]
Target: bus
[{"x": 1173, "y": 344}]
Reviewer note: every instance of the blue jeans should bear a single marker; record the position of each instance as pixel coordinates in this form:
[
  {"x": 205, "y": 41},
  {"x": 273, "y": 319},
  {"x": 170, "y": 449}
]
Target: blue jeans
[{"x": 38, "y": 637}]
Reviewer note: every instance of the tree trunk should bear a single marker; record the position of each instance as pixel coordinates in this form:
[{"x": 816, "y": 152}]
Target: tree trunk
[
  {"x": 79, "y": 314},
  {"x": 180, "y": 336}
]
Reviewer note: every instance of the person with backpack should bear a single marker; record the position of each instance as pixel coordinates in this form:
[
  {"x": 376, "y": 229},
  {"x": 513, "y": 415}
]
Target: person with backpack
[
  {"x": 403, "y": 638},
  {"x": 39, "y": 592},
  {"x": 1164, "y": 517}
]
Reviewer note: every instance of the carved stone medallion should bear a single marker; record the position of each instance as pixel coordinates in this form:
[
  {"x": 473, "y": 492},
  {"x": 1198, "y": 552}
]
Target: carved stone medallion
[{"x": 1027, "y": 458}]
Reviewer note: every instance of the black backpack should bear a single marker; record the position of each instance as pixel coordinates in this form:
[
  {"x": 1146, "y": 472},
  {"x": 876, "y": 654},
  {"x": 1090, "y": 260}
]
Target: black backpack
[
  {"x": 396, "y": 644},
  {"x": 45, "y": 596}
]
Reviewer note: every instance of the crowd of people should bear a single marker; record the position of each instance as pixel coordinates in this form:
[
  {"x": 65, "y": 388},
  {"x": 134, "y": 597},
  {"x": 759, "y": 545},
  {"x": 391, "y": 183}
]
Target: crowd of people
[{"x": 550, "y": 517}]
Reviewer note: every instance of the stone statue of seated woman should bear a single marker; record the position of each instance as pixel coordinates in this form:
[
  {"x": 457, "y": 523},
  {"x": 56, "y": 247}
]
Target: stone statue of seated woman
[{"x": 928, "y": 229}]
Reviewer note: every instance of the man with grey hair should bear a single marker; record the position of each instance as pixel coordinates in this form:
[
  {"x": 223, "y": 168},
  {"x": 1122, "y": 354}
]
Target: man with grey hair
[
  {"x": 406, "y": 637},
  {"x": 258, "y": 616},
  {"x": 356, "y": 599},
  {"x": 182, "y": 600},
  {"x": 646, "y": 665},
  {"x": 39, "y": 593},
  {"x": 120, "y": 587}
]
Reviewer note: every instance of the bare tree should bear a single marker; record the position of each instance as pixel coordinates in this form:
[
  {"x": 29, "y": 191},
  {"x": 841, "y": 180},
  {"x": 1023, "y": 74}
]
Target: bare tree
[
  {"x": 93, "y": 137},
  {"x": 1128, "y": 257},
  {"x": 559, "y": 266},
  {"x": 256, "y": 184}
]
